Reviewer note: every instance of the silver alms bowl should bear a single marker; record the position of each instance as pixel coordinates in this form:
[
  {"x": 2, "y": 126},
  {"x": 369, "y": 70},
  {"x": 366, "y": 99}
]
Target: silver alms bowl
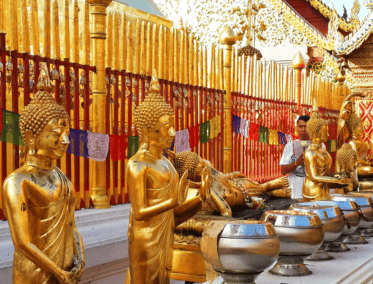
[
  {"x": 330, "y": 215},
  {"x": 300, "y": 234},
  {"x": 240, "y": 250}
]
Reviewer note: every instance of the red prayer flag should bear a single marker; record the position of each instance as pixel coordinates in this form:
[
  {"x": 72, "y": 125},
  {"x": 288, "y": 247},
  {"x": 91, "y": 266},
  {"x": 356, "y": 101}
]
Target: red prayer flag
[
  {"x": 193, "y": 136},
  {"x": 118, "y": 147},
  {"x": 254, "y": 131}
]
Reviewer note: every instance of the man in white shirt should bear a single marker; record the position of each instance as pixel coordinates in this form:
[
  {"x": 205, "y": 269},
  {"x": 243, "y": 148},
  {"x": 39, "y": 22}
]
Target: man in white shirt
[{"x": 292, "y": 161}]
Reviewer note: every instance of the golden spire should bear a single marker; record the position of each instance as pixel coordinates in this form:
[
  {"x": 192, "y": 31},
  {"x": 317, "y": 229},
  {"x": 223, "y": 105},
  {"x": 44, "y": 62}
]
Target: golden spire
[
  {"x": 298, "y": 61},
  {"x": 228, "y": 36}
]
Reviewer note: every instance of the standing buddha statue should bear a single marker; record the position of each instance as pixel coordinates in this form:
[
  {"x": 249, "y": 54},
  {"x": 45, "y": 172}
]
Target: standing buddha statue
[
  {"x": 40, "y": 199},
  {"x": 318, "y": 161},
  {"x": 158, "y": 196}
]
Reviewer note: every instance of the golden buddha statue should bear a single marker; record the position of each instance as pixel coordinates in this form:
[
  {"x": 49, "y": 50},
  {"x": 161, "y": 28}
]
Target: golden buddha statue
[
  {"x": 227, "y": 190},
  {"x": 355, "y": 126},
  {"x": 347, "y": 109},
  {"x": 158, "y": 196},
  {"x": 40, "y": 199},
  {"x": 346, "y": 162},
  {"x": 318, "y": 161}
]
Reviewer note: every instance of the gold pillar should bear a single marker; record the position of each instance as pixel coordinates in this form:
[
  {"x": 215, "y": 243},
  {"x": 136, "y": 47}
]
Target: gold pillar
[
  {"x": 298, "y": 64},
  {"x": 341, "y": 81},
  {"x": 98, "y": 35},
  {"x": 227, "y": 38}
]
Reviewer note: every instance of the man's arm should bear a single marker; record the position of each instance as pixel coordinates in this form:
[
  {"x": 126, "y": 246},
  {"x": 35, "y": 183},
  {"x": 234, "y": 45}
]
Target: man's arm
[{"x": 285, "y": 169}]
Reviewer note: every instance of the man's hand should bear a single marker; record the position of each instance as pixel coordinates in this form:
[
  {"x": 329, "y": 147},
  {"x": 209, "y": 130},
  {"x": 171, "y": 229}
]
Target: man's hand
[{"x": 300, "y": 160}]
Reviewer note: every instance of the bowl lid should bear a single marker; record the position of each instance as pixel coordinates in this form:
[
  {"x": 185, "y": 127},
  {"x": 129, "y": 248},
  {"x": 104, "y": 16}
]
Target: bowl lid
[
  {"x": 363, "y": 201},
  {"x": 324, "y": 209},
  {"x": 291, "y": 218},
  {"x": 248, "y": 230}
]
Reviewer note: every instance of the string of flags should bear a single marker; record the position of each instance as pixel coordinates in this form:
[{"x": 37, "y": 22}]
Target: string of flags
[
  {"x": 97, "y": 146},
  {"x": 256, "y": 132},
  {"x": 189, "y": 138}
]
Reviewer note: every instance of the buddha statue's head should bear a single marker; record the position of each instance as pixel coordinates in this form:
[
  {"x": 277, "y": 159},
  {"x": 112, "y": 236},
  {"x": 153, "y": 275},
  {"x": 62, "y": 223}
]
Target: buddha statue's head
[
  {"x": 191, "y": 162},
  {"x": 355, "y": 126},
  {"x": 346, "y": 158},
  {"x": 317, "y": 127},
  {"x": 44, "y": 124},
  {"x": 154, "y": 119}
]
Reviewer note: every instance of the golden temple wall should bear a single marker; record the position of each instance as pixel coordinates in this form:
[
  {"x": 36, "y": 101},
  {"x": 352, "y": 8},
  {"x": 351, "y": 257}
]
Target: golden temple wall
[{"x": 138, "y": 42}]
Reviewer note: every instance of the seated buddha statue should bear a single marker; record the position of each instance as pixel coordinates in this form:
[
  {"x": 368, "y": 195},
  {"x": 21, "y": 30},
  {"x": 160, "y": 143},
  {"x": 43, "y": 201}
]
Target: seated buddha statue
[
  {"x": 227, "y": 190},
  {"x": 364, "y": 167},
  {"x": 346, "y": 162},
  {"x": 317, "y": 161},
  {"x": 347, "y": 109},
  {"x": 40, "y": 199},
  {"x": 158, "y": 195}
]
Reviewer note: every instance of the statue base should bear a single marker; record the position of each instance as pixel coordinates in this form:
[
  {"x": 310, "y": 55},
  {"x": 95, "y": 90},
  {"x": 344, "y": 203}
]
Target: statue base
[
  {"x": 336, "y": 247},
  {"x": 188, "y": 263},
  {"x": 290, "y": 266}
]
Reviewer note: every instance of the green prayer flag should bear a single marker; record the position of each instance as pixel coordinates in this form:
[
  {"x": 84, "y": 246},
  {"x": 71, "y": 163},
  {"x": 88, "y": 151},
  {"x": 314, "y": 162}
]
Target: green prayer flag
[
  {"x": 263, "y": 134},
  {"x": 133, "y": 145},
  {"x": 11, "y": 132},
  {"x": 204, "y": 132}
]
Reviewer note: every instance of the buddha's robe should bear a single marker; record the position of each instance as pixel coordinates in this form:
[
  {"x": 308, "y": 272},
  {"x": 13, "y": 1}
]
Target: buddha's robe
[
  {"x": 51, "y": 230},
  {"x": 151, "y": 240},
  {"x": 314, "y": 190}
]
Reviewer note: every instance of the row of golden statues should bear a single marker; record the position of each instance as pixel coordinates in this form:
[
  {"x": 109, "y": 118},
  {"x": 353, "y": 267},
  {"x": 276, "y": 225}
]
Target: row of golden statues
[{"x": 165, "y": 192}]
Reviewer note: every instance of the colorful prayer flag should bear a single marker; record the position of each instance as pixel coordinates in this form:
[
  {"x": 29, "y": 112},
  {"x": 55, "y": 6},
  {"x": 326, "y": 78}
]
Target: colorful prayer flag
[
  {"x": 10, "y": 128},
  {"x": 247, "y": 127},
  {"x": 273, "y": 137},
  {"x": 118, "y": 146},
  {"x": 204, "y": 132},
  {"x": 78, "y": 143},
  {"x": 281, "y": 138},
  {"x": 254, "y": 131},
  {"x": 263, "y": 134},
  {"x": 236, "y": 122},
  {"x": 194, "y": 136},
  {"x": 98, "y": 146},
  {"x": 182, "y": 141},
  {"x": 214, "y": 127},
  {"x": 133, "y": 145}
]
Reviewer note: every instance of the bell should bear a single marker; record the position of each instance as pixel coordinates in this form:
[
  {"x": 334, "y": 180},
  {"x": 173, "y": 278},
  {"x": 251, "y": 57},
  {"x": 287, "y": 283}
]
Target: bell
[
  {"x": 62, "y": 78},
  {"x": 186, "y": 93},
  {"x": 176, "y": 93},
  {"x": 72, "y": 76},
  {"x": 128, "y": 93},
  {"x": 9, "y": 66},
  {"x": 135, "y": 82},
  {"x": 128, "y": 82},
  {"x": 31, "y": 83},
  {"x": 20, "y": 69},
  {"x": 82, "y": 80},
  {"x": 54, "y": 74},
  {"x": 113, "y": 81},
  {"x": 106, "y": 80},
  {"x": 1, "y": 67},
  {"x": 134, "y": 98},
  {"x": 146, "y": 84}
]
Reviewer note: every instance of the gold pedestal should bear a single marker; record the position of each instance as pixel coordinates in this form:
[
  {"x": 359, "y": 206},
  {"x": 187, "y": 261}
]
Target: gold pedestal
[
  {"x": 99, "y": 198},
  {"x": 188, "y": 263}
]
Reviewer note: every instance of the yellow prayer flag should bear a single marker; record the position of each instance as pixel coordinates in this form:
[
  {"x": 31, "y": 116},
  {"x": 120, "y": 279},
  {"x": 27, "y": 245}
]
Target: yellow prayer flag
[{"x": 214, "y": 127}]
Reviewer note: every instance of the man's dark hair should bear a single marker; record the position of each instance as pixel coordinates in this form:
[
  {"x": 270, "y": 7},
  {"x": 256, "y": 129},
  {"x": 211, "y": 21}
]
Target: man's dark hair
[{"x": 305, "y": 118}]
